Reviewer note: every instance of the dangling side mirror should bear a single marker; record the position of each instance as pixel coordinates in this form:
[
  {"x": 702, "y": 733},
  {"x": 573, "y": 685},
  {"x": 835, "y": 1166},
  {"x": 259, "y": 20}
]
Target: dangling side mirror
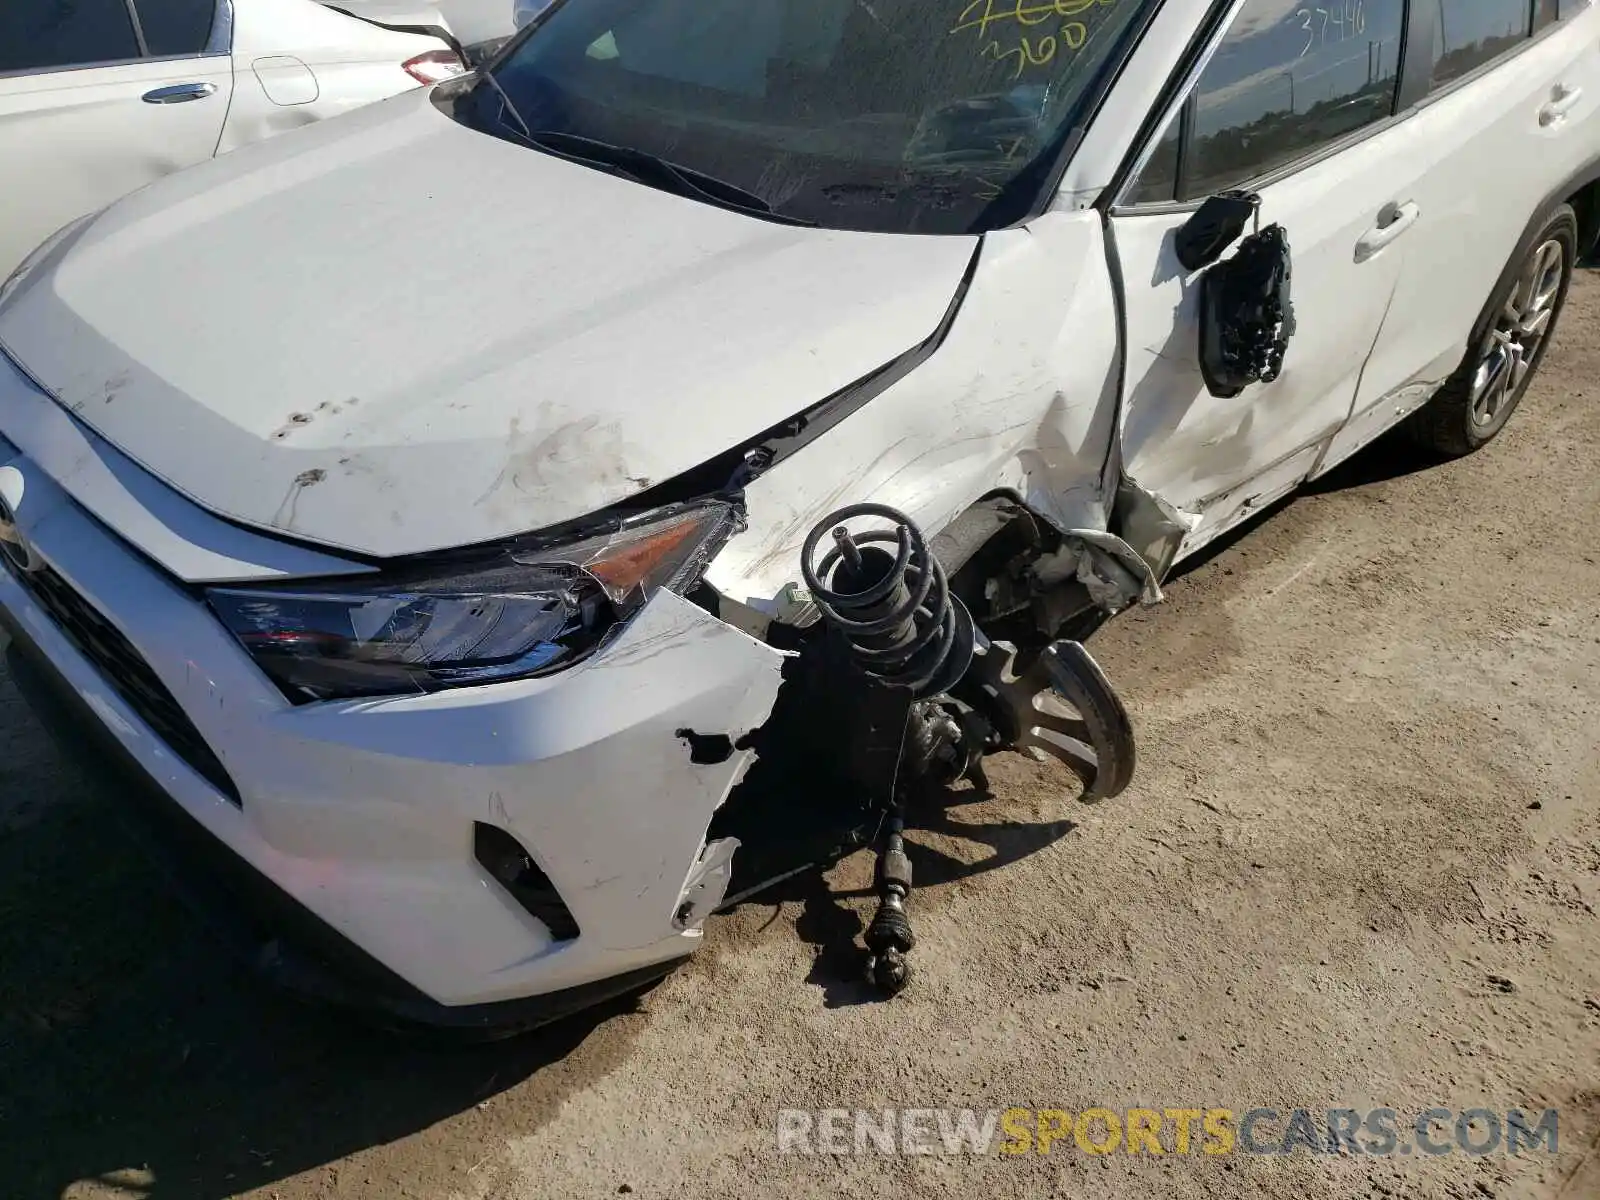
[
  {"x": 1214, "y": 227},
  {"x": 1246, "y": 318},
  {"x": 1244, "y": 313}
]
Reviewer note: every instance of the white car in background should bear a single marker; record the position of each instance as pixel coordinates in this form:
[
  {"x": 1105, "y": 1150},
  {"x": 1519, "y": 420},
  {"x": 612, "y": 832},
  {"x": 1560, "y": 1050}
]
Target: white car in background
[{"x": 101, "y": 97}]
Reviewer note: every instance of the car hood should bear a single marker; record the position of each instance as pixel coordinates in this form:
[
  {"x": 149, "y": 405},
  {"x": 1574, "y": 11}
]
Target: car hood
[{"x": 389, "y": 333}]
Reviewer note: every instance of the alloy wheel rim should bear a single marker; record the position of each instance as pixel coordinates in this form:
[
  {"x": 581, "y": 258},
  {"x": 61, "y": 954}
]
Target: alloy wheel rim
[{"x": 1519, "y": 331}]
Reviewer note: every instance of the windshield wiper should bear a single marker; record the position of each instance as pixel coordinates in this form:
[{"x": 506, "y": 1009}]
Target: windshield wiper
[
  {"x": 636, "y": 164},
  {"x": 670, "y": 176}
]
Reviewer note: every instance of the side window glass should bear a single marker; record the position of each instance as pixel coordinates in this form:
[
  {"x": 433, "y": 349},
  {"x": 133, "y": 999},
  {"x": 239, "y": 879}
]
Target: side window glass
[
  {"x": 1287, "y": 80},
  {"x": 36, "y": 35},
  {"x": 1545, "y": 12},
  {"x": 175, "y": 26},
  {"x": 1468, "y": 33},
  {"x": 1158, "y": 181}
]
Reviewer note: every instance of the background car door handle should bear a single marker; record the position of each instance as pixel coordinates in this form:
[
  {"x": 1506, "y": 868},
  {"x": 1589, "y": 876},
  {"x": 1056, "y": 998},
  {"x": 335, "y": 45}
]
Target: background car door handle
[
  {"x": 1393, "y": 220},
  {"x": 1562, "y": 101},
  {"x": 178, "y": 93}
]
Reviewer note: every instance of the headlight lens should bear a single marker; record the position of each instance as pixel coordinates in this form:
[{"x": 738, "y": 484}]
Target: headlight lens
[{"x": 508, "y": 612}]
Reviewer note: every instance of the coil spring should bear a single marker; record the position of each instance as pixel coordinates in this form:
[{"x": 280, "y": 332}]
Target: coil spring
[{"x": 896, "y": 612}]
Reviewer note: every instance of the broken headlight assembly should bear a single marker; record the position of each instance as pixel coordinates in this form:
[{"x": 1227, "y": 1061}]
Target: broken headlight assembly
[{"x": 517, "y": 609}]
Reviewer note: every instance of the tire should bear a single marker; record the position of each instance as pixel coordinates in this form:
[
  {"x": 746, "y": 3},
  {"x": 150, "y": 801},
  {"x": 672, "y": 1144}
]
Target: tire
[{"x": 1511, "y": 337}]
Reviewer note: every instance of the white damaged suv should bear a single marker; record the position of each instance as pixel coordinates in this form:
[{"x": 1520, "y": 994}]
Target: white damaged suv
[{"x": 505, "y": 524}]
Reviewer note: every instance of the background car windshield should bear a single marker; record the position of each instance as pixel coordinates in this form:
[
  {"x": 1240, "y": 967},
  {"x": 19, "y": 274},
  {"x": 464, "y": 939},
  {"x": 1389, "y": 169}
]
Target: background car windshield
[{"x": 894, "y": 115}]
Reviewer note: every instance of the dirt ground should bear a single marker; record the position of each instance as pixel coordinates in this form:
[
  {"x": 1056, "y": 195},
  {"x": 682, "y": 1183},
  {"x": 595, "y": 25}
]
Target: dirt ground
[{"x": 1358, "y": 867}]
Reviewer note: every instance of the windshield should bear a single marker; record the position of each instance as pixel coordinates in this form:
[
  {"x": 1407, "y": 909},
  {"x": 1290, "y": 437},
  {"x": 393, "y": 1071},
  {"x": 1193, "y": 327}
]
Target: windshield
[{"x": 906, "y": 116}]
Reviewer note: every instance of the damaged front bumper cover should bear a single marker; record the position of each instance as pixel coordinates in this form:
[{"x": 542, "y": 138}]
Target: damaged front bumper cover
[
  {"x": 265, "y": 927},
  {"x": 348, "y": 863}
]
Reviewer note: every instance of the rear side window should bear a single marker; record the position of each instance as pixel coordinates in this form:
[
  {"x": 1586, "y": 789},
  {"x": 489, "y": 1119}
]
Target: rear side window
[
  {"x": 1468, "y": 33},
  {"x": 36, "y": 35},
  {"x": 175, "y": 26}
]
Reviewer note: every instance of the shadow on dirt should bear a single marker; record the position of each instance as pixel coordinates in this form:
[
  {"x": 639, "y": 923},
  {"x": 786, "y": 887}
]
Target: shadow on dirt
[
  {"x": 136, "y": 1055},
  {"x": 831, "y": 924},
  {"x": 1392, "y": 455}
]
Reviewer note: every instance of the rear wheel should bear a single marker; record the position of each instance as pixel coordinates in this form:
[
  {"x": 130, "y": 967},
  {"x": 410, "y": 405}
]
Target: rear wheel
[{"x": 1476, "y": 402}]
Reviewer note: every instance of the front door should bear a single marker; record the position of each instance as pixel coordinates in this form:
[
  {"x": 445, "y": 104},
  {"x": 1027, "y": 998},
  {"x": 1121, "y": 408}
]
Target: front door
[{"x": 1297, "y": 105}]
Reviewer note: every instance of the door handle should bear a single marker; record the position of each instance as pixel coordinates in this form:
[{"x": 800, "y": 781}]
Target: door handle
[
  {"x": 179, "y": 93},
  {"x": 1393, "y": 220},
  {"x": 1562, "y": 101}
]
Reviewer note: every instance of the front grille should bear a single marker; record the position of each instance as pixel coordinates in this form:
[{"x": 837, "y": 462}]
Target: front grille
[{"x": 125, "y": 669}]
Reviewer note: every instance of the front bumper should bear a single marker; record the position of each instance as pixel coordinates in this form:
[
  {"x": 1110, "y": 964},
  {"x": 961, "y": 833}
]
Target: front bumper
[
  {"x": 266, "y": 927},
  {"x": 351, "y": 835}
]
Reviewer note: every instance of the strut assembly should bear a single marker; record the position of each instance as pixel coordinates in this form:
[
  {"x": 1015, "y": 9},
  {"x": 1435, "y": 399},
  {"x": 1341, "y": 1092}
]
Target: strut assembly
[{"x": 890, "y": 613}]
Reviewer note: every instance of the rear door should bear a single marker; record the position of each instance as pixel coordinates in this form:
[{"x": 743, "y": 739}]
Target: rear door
[
  {"x": 1296, "y": 102},
  {"x": 1511, "y": 117},
  {"x": 98, "y": 98}
]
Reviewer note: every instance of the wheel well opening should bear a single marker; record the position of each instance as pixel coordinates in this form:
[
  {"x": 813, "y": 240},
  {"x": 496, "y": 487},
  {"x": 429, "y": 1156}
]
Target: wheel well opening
[
  {"x": 993, "y": 552},
  {"x": 1586, "y": 204}
]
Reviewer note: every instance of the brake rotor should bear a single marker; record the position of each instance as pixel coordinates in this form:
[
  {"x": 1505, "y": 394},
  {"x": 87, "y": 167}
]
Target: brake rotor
[{"x": 1061, "y": 706}]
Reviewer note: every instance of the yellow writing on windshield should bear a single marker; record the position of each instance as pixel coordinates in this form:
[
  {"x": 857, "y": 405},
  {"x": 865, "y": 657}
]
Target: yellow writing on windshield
[
  {"x": 981, "y": 14},
  {"x": 1030, "y": 49}
]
